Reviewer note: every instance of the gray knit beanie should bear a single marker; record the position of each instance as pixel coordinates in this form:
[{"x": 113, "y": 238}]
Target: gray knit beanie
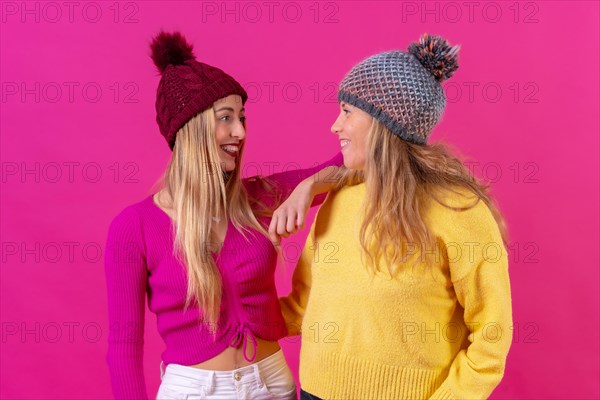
[{"x": 401, "y": 89}]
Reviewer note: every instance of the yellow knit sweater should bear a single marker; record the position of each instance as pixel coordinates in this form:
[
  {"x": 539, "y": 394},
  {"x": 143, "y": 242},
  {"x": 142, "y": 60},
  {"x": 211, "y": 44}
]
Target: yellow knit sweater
[{"x": 441, "y": 332}]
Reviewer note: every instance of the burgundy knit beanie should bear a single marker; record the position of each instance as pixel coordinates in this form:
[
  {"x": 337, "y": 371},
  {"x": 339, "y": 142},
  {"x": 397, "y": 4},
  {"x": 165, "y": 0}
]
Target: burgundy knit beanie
[{"x": 187, "y": 87}]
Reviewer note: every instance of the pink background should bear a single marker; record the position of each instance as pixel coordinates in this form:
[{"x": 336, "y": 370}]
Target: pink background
[{"x": 531, "y": 122}]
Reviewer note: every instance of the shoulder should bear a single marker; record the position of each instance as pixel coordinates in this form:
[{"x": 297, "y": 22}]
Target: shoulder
[
  {"x": 129, "y": 214},
  {"x": 125, "y": 245},
  {"x": 459, "y": 212},
  {"x": 346, "y": 195},
  {"x": 261, "y": 189},
  {"x": 128, "y": 223},
  {"x": 252, "y": 183},
  {"x": 453, "y": 198},
  {"x": 342, "y": 203}
]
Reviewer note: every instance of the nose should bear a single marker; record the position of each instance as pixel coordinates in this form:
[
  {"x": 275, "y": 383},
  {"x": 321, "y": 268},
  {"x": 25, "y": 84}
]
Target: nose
[
  {"x": 336, "y": 127},
  {"x": 238, "y": 131}
]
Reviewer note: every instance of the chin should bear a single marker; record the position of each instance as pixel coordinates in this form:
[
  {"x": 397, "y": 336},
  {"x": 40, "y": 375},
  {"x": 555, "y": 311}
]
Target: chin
[{"x": 349, "y": 163}]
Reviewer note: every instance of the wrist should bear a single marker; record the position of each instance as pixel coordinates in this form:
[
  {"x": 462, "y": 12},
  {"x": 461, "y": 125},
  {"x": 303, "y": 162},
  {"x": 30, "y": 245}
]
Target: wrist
[{"x": 309, "y": 185}]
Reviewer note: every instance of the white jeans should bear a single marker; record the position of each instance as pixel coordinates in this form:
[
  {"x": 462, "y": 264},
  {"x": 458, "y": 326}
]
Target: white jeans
[{"x": 269, "y": 378}]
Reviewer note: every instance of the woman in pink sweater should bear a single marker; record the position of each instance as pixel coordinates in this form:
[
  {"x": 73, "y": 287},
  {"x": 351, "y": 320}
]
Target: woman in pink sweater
[{"x": 199, "y": 249}]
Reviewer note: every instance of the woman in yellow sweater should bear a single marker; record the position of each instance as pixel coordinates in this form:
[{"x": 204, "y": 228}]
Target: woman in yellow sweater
[{"x": 402, "y": 290}]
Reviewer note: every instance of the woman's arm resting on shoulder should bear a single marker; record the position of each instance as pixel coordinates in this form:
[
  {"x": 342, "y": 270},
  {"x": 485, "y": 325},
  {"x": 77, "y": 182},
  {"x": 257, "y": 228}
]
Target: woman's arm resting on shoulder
[{"x": 290, "y": 216}]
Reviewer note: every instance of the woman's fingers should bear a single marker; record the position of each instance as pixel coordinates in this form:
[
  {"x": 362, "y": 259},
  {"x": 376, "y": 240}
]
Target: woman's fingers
[
  {"x": 282, "y": 223},
  {"x": 300, "y": 219},
  {"x": 273, "y": 230},
  {"x": 286, "y": 221},
  {"x": 291, "y": 221}
]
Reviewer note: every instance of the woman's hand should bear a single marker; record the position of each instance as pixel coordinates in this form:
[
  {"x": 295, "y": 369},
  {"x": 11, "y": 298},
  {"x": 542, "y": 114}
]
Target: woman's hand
[{"x": 291, "y": 214}]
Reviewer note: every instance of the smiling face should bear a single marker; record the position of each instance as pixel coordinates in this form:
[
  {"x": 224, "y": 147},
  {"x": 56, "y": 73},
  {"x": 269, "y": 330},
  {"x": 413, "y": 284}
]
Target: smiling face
[
  {"x": 352, "y": 127},
  {"x": 230, "y": 129}
]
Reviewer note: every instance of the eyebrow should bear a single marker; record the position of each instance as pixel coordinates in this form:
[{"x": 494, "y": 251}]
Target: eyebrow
[{"x": 229, "y": 109}]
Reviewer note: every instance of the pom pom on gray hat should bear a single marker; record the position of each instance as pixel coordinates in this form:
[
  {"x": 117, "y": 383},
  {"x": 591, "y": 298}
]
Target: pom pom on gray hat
[
  {"x": 402, "y": 90},
  {"x": 436, "y": 55}
]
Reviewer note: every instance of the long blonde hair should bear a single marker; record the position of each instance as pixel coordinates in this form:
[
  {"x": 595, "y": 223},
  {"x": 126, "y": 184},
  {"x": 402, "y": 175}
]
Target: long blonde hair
[
  {"x": 199, "y": 190},
  {"x": 399, "y": 176}
]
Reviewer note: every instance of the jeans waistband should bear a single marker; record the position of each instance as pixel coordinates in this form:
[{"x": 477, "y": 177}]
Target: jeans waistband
[{"x": 254, "y": 371}]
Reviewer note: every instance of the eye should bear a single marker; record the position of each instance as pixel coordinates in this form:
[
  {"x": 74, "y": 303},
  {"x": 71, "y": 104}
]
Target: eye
[
  {"x": 224, "y": 118},
  {"x": 243, "y": 120}
]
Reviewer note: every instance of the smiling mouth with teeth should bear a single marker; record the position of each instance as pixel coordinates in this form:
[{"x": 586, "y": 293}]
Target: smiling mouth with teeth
[
  {"x": 344, "y": 142},
  {"x": 231, "y": 150}
]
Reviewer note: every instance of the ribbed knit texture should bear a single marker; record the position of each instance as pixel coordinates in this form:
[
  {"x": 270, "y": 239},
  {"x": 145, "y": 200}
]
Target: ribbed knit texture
[
  {"x": 424, "y": 333},
  {"x": 139, "y": 260}
]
